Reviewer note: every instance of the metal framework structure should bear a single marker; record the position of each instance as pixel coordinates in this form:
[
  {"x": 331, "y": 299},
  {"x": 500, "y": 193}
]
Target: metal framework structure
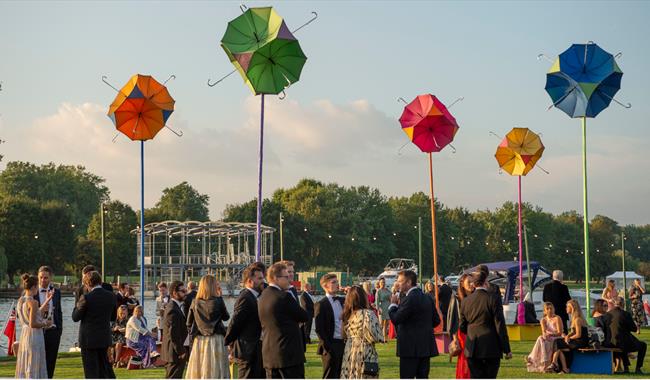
[{"x": 177, "y": 250}]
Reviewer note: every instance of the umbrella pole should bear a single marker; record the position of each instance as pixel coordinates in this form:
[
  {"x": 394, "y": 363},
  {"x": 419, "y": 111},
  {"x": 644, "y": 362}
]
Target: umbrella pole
[
  {"x": 521, "y": 318},
  {"x": 142, "y": 222},
  {"x": 258, "y": 226},
  {"x": 585, "y": 212},
  {"x": 433, "y": 232}
]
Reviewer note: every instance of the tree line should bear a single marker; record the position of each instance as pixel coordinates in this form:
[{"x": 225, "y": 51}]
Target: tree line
[{"x": 50, "y": 214}]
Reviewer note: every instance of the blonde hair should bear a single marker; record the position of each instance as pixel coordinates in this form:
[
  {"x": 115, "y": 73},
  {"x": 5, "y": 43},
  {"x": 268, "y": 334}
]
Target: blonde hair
[
  {"x": 367, "y": 287},
  {"x": 122, "y": 311},
  {"x": 548, "y": 306},
  {"x": 576, "y": 311},
  {"x": 139, "y": 307},
  {"x": 208, "y": 288}
]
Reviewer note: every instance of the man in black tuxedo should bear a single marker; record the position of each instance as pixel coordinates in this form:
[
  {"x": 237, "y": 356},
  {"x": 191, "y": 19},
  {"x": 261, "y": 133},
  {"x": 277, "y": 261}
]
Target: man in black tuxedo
[
  {"x": 307, "y": 303},
  {"x": 291, "y": 272},
  {"x": 481, "y": 319},
  {"x": 244, "y": 330},
  {"x": 53, "y": 312},
  {"x": 94, "y": 310},
  {"x": 191, "y": 294},
  {"x": 621, "y": 325},
  {"x": 123, "y": 297},
  {"x": 174, "y": 334},
  {"x": 444, "y": 297},
  {"x": 329, "y": 325},
  {"x": 557, "y": 293},
  {"x": 280, "y": 314},
  {"x": 414, "y": 317},
  {"x": 83, "y": 290}
]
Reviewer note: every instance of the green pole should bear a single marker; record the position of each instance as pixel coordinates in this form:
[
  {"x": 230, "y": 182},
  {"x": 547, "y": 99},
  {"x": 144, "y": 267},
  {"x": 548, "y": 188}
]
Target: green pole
[
  {"x": 420, "y": 250},
  {"x": 281, "y": 240},
  {"x": 585, "y": 212},
  {"x": 530, "y": 287},
  {"x": 624, "y": 274}
]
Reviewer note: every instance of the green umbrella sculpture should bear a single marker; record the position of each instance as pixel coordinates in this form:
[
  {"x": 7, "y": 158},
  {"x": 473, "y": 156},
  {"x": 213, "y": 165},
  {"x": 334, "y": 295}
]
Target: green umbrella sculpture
[{"x": 269, "y": 58}]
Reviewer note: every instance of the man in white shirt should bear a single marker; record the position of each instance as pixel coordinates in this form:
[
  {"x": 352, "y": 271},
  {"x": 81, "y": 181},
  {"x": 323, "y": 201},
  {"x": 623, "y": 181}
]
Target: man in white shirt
[
  {"x": 52, "y": 335},
  {"x": 328, "y": 312}
]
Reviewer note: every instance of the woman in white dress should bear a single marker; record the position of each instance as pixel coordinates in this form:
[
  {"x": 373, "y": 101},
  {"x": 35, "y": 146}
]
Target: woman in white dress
[
  {"x": 542, "y": 354},
  {"x": 30, "y": 363},
  {"x": 209, "y": 356}
]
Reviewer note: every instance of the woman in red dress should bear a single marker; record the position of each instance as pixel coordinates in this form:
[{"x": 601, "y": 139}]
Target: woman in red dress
[{"x": 465, "y": 288}]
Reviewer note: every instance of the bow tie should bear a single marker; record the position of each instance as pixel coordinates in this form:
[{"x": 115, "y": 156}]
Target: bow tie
[{"x": 43, "y": 290}]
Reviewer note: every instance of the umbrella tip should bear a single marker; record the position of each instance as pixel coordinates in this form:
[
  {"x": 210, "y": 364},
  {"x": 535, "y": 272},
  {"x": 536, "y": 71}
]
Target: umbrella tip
[{"x": 400, "y": 99}]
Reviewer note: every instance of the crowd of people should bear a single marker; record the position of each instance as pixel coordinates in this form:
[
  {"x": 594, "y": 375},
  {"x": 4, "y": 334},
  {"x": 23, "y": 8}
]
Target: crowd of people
[{"x": 271, "y": 325}]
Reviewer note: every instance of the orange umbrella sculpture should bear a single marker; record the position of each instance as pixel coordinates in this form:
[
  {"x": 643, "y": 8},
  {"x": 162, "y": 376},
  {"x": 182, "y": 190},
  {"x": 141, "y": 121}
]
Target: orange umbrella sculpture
[
  {"x": 140, "y": 110},
  {"x": 517, "y": 154},
  {"x": 430, "y": 126}
]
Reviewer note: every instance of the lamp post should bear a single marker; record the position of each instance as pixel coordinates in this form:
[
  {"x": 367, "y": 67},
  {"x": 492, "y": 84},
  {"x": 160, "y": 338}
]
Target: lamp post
[
  {"x": 281, "y": 239},
  {"x": 101, "y": 211}
]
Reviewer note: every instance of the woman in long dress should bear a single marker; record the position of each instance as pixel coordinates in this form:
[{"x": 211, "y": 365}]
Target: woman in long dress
[
  {"x": 542, "y": 354},
  {"x": 578, "y": 337},
  {"x": 209, "y": 356},
  {"x": 609, "y": 293},
  {"x": 382, "y": 302},
  {"x": 140, "y": 339},
  {"x": 361, "y": 330},
  {"x": 465, "y": 288},
  {"x": 30, "y": 357},
  {"x": 636, "y": 301}
]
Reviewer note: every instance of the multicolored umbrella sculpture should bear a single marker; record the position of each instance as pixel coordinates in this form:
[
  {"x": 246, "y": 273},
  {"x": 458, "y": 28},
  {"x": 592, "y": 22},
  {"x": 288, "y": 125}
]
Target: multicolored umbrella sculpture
[
  {"x": 431, "y": 127},
  {"x": 140, "y": 110},
  {"x": 517, "y": 154},
  {"x": 582, "y": 82},
  {"x": 269, "y": 58}
]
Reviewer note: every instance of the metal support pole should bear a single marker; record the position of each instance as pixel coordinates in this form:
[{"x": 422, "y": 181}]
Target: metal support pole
[
  {"x": 420, "y": 250},
  {"x": 624, "y": 274},
  {"x": 585, "y": 213},
  {"x": 530, "y": 279},
  {"x": 281, "y": 239},
  {"x": 142, "y": 223},
  {"x": 258, "y": 227},
  {"x": 101, "y": 211}
]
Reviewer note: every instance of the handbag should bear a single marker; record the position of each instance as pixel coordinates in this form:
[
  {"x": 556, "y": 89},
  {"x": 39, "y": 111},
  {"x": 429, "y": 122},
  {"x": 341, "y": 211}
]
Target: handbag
[
  {"x": 371, "y": 369},
  {"x": 454, "y": 347}
]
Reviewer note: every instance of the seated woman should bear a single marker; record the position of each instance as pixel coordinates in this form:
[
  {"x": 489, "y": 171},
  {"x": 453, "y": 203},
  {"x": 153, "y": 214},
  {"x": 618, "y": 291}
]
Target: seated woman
[
  {"x": 542, "y": 354},
  {"x": 140, "y": 339},
  {"x": 118, "y": 330},
  {"x": 578, "y": 337}
]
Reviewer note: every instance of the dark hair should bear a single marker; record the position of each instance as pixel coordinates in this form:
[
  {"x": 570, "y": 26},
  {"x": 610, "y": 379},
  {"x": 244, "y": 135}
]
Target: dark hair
[
  {"x": 175, "y": 285},
  {"x": 123, "y": 285},
  {"x": 598, "y": 306},
  {"x": 480, "y": 278},
  {"x": 411, "y": 276},
  {"x": 250, "y": 271},
  {"x": 162, "y": 285},
  {"x": 88, "y": 268},
  {"x": 47, "y": 269},
  {"x": 483, "y": 268},
  {"x": 29, "y": 281},
  {"x": 462, "y": 292},
  {"x": 92, "y": 279},
  {"x": 261, "y": 266},
  {"x": 275, "y": 270},
  {"x": 355, "y": 299}
]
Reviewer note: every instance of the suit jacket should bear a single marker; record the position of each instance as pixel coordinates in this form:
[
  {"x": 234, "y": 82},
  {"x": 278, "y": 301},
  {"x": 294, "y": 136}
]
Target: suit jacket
[
  {"x": 308, "y": 304},
  {"x": 57, "y": 318},
  {"x": 481, "y": 319},
  {"x": 621, "y": 325},
  {"x": 244, "y": 330},
  {"x": 444, "y": 297},
  {"x": 558, "y": 294},
  {"x": 324, "y": 320},
  {"x": 414, "y": 319},
  {"x": 280, "y": 314},
  {"x": 188, "y": 302},
  {"x": 174, "y": 333},
  {"x": 94, "y": 310}
]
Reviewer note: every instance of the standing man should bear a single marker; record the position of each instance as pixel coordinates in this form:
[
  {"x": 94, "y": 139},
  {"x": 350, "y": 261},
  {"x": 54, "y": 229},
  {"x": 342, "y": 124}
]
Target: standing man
[
  {"x": 481, "y": 319},
  {"x": 444, "y": 297},
  {"x": 82, "y": 288},
  {"x": 123, "y": 297},
  {"x": 174, "y": 327},
  {"x": 280, "y": 314},
  {"x": 94, "y": 310},
  {"x": 191, "y": 294},
  {"x": 557, "y": 293},
  {"x": 307, "y": 303},
  {"x": 53, "y": 312},
  {"x": 415, "y": 318},
  {"x": 244, "y": 330},
  {"x": 621, "y": 325},
  {"x": 327, "y": 315},
  {"x": 292, "y": 272}
]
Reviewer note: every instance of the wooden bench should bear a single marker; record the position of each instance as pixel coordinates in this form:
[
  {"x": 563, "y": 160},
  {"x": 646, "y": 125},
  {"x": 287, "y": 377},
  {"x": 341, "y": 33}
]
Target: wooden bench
[
  {"x": 529, "y": 331},
  {"x": 594, "y": 361}
]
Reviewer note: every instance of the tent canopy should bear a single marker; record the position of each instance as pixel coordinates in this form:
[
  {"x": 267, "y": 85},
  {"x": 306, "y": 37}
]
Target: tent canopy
[{"x": 630, "y": 276}]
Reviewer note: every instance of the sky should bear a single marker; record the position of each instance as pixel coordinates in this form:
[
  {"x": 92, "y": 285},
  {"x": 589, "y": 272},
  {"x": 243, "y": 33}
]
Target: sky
[{"x": 339, "y": 123}]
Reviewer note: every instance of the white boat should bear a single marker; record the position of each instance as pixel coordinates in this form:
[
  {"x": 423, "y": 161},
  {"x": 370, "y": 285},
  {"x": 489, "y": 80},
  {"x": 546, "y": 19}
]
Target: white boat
[{"x": 392, "y": 269}]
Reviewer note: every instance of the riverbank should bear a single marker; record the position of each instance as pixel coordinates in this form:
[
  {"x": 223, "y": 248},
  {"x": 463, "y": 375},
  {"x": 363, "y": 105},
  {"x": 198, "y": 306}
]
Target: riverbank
[{"x": 69, "y": 365}]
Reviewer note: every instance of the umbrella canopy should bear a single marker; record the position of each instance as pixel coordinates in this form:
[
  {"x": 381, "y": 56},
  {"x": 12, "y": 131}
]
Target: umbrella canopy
[
  {"x": 583, "y": 80},
  {"x": 519, "y": 151},
  {"x": 264, "y": 51},
  {"x": 428, "y": 123},
  {"x": 141, "y": 108}
]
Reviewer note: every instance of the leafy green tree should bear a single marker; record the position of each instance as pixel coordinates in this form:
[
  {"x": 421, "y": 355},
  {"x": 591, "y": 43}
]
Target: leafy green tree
[
  {"x": 182, "y": 202},
  {"x": 604, "y": 234},
  {"x": 119, "y": 244}
]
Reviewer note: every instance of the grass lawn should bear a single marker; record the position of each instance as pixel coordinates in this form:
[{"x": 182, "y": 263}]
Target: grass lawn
[{"x": 69, "y": 365}]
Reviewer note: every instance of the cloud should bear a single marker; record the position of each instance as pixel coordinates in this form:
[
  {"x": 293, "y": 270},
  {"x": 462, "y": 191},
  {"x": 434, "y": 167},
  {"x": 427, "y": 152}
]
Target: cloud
[{"x": 351, "y": 144}]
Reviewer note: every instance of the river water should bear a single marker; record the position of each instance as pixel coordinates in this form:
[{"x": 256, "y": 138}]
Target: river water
[{"x": 70, "y": 328}]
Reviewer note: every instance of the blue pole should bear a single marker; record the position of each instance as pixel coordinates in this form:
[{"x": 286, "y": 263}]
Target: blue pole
[
  {"x": 142, "y": 223},
  {"x": 258, "y": 227}
]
